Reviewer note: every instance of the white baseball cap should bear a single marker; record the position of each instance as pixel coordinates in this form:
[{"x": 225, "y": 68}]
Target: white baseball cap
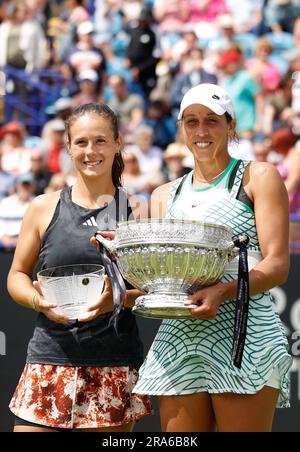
[
  {"x": 85, "y": 27},
  {"x": 225, "y": 21},
  {"x": 88, "y": 74},
  {"x": 57, "y": 125},
  {"x": 63, "y": 103},
  {"x": 211, "y": 96}
]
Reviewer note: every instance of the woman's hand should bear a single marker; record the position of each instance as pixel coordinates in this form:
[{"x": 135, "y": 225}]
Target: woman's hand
[
  {"x": 208, "y": 300},
  {"x": 104, "y": 305},
  {"x": 40, "y": 305},
  {"x": 108, "y": 235}
]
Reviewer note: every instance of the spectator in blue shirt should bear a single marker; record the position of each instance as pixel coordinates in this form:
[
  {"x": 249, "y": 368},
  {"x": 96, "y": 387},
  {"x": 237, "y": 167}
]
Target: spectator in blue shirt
[
  {"x": 158, "y": 117},
  {"x": 185, "y": 81}
]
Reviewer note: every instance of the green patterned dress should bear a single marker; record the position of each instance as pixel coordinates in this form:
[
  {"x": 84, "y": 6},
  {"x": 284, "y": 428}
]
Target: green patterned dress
[{"x": 194, "y": 355}]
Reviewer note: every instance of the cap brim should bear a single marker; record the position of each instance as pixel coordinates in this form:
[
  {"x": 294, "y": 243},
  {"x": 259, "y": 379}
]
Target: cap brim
[{"x": 216, "y": 108}]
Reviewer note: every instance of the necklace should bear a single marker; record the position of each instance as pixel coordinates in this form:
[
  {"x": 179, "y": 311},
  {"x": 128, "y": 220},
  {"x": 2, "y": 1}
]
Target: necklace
[{"x": 203, "y": 181}]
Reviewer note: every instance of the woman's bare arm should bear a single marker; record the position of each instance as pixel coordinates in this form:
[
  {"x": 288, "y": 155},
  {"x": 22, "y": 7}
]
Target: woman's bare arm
[
  {"x": 272, "y": 223},
  {"x": 159, "y": 201},
  {"x": 19, "y": 282}
]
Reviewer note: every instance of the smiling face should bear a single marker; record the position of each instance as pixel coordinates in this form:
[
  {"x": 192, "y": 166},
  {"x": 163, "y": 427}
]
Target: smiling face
[
  {"x": 205, "y": 133},
  {"x": 93, "y": 145}
]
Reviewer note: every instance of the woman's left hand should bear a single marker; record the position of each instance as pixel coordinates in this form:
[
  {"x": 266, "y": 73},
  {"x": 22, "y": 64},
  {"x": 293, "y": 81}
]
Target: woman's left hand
[
  {"x": 108, "y": 235},
  {"x": 208, "y": 301},
  {"x": 103, "y": 306}
]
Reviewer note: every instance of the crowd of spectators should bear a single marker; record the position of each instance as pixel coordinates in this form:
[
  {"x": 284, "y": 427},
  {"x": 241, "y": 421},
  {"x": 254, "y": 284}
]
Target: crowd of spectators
[{"x": 140, "y": 57}]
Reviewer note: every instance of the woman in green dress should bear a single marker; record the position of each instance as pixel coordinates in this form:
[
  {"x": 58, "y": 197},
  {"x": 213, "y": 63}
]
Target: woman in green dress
[{"x": 189, "y": 365}]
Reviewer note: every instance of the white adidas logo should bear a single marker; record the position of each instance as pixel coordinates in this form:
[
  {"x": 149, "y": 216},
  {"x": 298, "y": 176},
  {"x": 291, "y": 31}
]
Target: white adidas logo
[{"x": 90, "y": 222}]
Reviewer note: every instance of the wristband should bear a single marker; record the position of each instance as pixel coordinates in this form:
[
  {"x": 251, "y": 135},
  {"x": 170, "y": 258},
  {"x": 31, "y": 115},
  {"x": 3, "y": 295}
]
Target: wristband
[{"x": 33, "y": 303}]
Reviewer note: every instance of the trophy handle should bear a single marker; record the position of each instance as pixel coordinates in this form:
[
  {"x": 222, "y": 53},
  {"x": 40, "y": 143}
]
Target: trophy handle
[
  {"x": 109, "y": 245},
  {"x": 234, "y": 246}
]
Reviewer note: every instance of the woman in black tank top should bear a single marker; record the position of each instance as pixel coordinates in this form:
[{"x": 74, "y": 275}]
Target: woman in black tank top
[{"x": 78, "y": 374}]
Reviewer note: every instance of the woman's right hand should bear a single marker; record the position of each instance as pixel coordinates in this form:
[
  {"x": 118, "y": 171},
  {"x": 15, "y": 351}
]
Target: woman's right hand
[{"x": 40, "y": 305}]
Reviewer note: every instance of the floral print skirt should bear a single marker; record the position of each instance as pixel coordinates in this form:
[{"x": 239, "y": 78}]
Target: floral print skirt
[{"x": 79, "y": 397}]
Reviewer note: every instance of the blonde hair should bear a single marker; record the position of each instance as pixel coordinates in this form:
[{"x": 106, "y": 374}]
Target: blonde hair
[
  {"x": 263, "y": 42},
  {"x": 136, "y": 169}
]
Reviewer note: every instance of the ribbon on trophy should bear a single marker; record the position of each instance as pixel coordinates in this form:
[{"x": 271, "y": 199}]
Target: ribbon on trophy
[
  {"x": 242, "y": 302},
  {"x": 118, "y": 284}
]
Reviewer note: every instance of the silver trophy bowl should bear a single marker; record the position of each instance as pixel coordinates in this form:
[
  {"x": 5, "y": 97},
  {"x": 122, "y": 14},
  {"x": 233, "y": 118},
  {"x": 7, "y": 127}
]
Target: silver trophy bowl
[{"x": 170, "y": 259}]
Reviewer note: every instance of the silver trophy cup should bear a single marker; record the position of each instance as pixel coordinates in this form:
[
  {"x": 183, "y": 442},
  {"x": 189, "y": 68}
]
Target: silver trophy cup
[{"x": 170, "y": 259}]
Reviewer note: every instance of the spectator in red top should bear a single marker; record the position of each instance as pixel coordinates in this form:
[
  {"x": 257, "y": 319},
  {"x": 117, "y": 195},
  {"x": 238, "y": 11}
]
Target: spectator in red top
[{"x": 57, "y": 147}]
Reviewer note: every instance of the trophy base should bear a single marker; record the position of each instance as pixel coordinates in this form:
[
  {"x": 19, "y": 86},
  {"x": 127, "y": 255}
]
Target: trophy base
[{"x": 163, "y": 306}]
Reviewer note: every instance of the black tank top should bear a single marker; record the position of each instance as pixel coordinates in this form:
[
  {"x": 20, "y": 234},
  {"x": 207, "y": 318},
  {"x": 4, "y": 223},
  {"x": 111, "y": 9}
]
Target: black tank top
[{"x": 90, "y": 344}]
